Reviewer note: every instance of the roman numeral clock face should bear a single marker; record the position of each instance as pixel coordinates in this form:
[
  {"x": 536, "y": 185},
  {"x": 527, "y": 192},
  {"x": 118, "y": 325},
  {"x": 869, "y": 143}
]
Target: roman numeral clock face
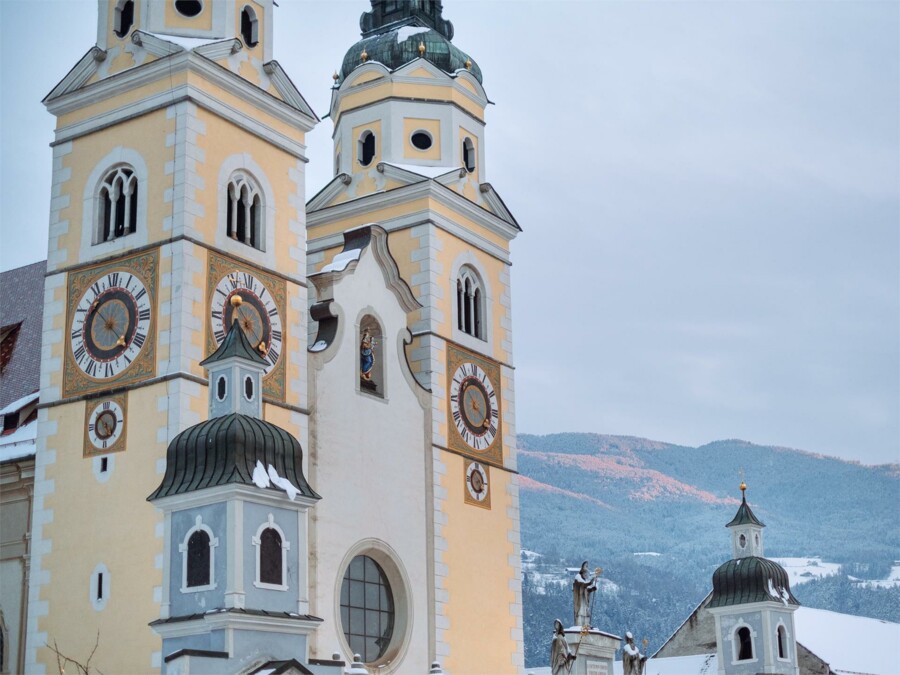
[
  {"x": 110, "y": 325},
  {"x": 242, "y": 296},
  {"x": 474, "y": 406}
]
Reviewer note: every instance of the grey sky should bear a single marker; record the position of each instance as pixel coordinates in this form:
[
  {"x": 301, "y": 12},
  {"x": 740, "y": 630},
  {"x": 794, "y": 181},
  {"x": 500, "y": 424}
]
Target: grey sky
[{"x": 709, "y": 193}]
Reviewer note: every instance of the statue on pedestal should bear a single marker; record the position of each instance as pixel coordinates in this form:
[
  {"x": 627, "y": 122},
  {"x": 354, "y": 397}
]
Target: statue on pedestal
[
  {"x": 582, "y": 587},
  {"x": 560, "y": 657},
  {"x": 632, "y": 659}
]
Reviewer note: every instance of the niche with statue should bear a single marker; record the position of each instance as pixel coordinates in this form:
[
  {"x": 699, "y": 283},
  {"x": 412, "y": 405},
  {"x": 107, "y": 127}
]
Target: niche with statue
[{"x": 371, "y": 356}]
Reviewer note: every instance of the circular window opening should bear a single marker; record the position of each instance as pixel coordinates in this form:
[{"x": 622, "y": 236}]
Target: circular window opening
[
  {"x": 220, "y": 388},
  {"x": 248, "y": 388},
  {"x": 188, "y": 7},
  {"x": 421, "y": 140},
  {"x": 367, "y": 609}
]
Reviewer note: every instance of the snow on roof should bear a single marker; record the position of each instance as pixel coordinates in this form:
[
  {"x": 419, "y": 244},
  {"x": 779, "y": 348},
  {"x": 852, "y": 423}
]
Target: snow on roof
[
  {"x": 408, "y": 31},
  {"x": 15, "y": 406},
  {"x": 698, "y": 664},
  {"x": 18, "y": 444},
  {"x": 427, "y": 171},
  {"x": 849, "y": 644},
  {"x": 341, "y": 260}
]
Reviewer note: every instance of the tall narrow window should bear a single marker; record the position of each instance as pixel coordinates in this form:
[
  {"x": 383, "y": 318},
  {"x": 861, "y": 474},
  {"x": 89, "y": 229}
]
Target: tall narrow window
[
  {"x": 124, "y": 17},
  {"x": 782, "y": 653},
  {"x": 270, "y": 571},
  {"x": 243, "y": 211},
  {"x": 745, "y": 644},
  {"x": 198, "y": 559},
  {"x": 249, "y": 26},
  {"x": 366, "y": 148},
  {"x": 470, "y": 304},
  {"x": 118, "y": 204},
  {"x": 468, "y": 151}
]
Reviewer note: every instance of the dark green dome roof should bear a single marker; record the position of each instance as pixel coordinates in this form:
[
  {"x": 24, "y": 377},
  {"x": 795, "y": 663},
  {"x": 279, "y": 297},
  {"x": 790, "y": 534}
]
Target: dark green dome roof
[
  {"x": 224, "y": 450},
  {"x": 388, "y": 49},
  {"x": 750, "y": 579}
]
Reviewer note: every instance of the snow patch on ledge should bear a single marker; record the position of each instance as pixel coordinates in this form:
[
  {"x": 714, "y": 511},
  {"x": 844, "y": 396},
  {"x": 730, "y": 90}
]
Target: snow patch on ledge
[
  {"x": 341, "y": 260},
  {"x": 403, "y": 34}
]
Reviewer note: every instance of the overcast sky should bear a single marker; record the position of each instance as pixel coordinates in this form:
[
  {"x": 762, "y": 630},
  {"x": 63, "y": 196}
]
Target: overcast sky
[{"x": 708, "y": 191}]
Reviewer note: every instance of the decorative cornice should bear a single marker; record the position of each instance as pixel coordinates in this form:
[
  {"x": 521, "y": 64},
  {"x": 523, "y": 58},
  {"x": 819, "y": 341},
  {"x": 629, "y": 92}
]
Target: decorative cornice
[
  {"x": 220, "y": 493},
  {"x": 221, "y": 49},
  {"x": 287, "y": 89},
  {"x": 154, "y": 45},
  {"x": 80, "y": 73}
]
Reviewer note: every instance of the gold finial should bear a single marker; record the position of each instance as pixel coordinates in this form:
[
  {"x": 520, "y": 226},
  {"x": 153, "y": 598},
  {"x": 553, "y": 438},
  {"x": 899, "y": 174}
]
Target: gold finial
[
  {"x": 335, "y": 77},
  {"x": 364, "y": 56},
  {"x": 236, "y": 300},
  {"x": 421, "y": 48},
  {"x": 468, "y": 63},
  {"x": 743, "y": 484}
]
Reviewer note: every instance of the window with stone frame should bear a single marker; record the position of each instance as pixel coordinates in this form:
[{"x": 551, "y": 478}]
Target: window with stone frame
[
  {"x": 198, "y": 559},
  {"x": 117, "y": 204},
  {"x": 243, "y": 210},
  {"x": 270, "y": 559},
  {"x": 123, "y": 18},
  {"x": 744, "y": 644}
]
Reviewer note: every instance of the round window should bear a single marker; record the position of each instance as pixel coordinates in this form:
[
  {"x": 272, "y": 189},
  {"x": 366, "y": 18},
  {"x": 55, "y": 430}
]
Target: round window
[
  {"x": 188, "y": 7},
  {"x": 367, "y": 608},
  {"x": 221, "y": 385},
  {"x": 248, "y": 388},
  {"x": 421, "y": 140}
]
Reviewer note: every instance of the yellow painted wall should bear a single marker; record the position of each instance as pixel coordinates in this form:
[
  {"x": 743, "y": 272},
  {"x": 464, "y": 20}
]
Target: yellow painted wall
[
  {"x": 203, "y": 21},
  {"x": 375, "y": 127},
  {"x": 477, "y": 560},
  {"x": 413, "y": 124}
]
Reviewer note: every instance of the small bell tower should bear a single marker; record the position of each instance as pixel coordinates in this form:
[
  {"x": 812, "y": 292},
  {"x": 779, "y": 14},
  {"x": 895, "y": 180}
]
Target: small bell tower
[
  {"x": 746, "y": 530},
  {"x": 235, "y": 376}
]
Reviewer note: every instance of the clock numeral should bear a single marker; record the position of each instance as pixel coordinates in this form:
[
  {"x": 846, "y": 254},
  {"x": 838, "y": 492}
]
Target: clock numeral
[
  {"x": 113, "y": 278},
  {"x": 91, "y": 368},
  {"x": 76, "y": 334},
  {"x": 232, "y": 281},
  {"x": 144, "y": 315},
  {"x": 456, "y": 415},
  {"x": 276, "y": 335},
  {"x": 492, "y": 431},
  {"x": 108, "y": 370},
  {"x": 272, "y": 356},
  {"x": 262, "y": 293},
  {"x": 454, "y": 398},
  {"x": 248, "y": 280},
  {"x": 91, "y": 426},
  {"x": 104, "y": 444},
  {"x": 273, "y": 311},
  {"x": 221, "y": 292},
  {"x": 80, "y": 353},
  {"x": 217, "y": 314},
  {"x": 107, "y": 405},
  {"x": 128, "y": 283},
  {"x": 139, "y": 339},
  {"x": 220, "y": 335},
  {"x": 140, "y": 294},
  {"x": 95, "y": 288}
]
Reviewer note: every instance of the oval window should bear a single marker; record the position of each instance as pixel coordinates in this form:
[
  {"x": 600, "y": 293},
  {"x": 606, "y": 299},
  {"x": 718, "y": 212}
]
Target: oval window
[
  {"x": 248, "y": 388},
  {"x": 421, "y": 140},
  {"x": 188, "y": 7},
  {"x": 742, "y": 541},
  {"x": 367, "y": 609},
  {"x": 221, "y": 384}
]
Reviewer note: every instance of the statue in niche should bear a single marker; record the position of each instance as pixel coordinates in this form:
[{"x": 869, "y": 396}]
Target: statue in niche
[
  {"x": 632, "y": 659},
  {"x": 583, "y": 588},
  {"x": 371, "y": 368},
  {"x": 366, "y": 356},
  {"x": 561, "y": 657}
]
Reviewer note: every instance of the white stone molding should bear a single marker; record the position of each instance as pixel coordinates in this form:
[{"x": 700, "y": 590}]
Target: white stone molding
[
  {"x": 736, "y": 643},
  {"x": 199, "y": 525},
  {"x": 285, "y": 547}
]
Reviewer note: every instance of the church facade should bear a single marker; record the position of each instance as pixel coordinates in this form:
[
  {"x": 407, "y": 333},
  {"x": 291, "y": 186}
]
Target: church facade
[{"x": 378, "y": 315}]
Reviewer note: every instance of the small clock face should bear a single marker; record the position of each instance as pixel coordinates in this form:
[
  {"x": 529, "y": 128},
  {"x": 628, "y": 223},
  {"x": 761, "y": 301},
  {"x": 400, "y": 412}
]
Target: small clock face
[
  {"x": 241, "y": 296},
  {"x": 105, "y": 425},
  {"x": 111, "y": 325},
  {"x": 477, "y": 482},
  {"x": 473, "y": 404}
]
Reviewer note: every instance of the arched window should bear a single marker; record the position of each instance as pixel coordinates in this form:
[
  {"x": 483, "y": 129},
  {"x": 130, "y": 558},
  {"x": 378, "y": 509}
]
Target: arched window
[
  {"x": 781, "y": 634},
  {"x": 117, "y": 206},
  {"x": 198, "y": 558},
  {"x": 124, "y": 17},
  {"x": 744, "y": 644},
  {"x": 243, "y": 211},
  {"x": 366, "y": 150},
  {"x": 249, "y": 26},
  {"x": 271, "y": 556},
  {"x": 470, "y": 305},
  {"x": 367, "y": 608},
  {"x": 468, "y": 152}
]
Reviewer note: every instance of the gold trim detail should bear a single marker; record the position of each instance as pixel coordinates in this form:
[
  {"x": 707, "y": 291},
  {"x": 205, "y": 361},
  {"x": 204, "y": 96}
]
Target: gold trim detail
[
  {"x": 470, "y": 468},
  {"x": 90, "y": 406},
  {"x": 456, "y": 356}
]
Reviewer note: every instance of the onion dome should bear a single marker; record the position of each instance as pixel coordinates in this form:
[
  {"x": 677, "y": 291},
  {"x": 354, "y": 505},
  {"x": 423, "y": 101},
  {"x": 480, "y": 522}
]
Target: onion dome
[
  {"x": 744, "y": 515},
  {"x": 225, "y": 450},
  {"x": 751, "y": 579},
  {"x": 396, "y": 33}
]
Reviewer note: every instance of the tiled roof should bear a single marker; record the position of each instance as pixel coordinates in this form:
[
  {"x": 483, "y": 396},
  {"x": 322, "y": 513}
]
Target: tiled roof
[{"x": 22, "y": 302}]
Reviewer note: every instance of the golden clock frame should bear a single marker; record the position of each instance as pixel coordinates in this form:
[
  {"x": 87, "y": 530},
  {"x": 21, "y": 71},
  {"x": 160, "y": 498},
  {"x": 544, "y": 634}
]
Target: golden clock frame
[
  {"x": 145, "y": 266},
  {"x": 219, "y": 266},
  {"x": 494, "y": 452},
  {"x": 90, "y": 405},
  {"x": 467, "y": 497}
]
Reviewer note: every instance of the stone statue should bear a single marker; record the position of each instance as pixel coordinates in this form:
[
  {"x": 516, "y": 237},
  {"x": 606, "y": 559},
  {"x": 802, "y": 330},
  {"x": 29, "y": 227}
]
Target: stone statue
[
  {"x": 560, "y": 656},
  {"x": 366, "y": 356},
  {"x": 632, "y": 659},
  {"x": 582, "y": 587}
]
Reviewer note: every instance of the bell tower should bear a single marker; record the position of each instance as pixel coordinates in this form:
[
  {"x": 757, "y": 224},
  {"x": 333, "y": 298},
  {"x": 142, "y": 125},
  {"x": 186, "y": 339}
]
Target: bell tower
[
  {"x": 176, "y": 211},
  {"x": 410, "y": 192}
]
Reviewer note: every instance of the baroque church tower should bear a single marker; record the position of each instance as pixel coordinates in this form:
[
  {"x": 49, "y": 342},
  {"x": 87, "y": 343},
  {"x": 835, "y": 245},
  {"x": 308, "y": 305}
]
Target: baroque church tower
[
  {"x": 411, "y": 376},
  {"x": 177, "y": 208}
]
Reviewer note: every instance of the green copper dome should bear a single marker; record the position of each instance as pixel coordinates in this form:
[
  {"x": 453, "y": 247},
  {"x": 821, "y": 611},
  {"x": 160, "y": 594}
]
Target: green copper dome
[
  {"x": 394, "y": 30},
  {"x": 746, "y": 580}
]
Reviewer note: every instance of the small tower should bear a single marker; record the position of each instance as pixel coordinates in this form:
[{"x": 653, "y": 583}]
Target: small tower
[
  {"x": 753, "y": 605},
  {"x": 235, "y": 500}
]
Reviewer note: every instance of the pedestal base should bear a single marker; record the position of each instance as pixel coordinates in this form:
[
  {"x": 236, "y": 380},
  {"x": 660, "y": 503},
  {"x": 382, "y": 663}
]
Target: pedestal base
[{"x": 595, "y": 651}]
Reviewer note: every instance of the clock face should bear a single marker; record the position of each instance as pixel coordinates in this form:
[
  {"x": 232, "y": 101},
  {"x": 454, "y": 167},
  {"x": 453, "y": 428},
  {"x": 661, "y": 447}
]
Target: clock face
[
  {"x": 473, "y": 404},
  {"x": 105, "y": 425},
  {"x": 110, "y": 325},
  {"x": 241, "y": 296},
  {"x": 477, "y": 482}
]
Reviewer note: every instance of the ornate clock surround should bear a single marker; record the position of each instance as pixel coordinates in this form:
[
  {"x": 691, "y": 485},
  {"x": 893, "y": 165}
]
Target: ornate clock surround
[
  {"x": 276, "y": 288},
  {"x": 458, "y": 358},
  {"x": 96, "y": 412},
  {"x": 139, "y": 271}
]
